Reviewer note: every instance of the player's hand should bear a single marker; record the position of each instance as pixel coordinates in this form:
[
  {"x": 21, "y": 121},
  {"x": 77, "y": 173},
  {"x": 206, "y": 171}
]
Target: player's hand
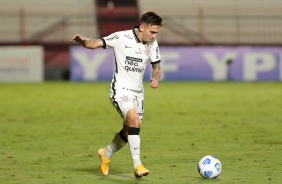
[
  {"x": 154, "y": 83},
  {"x": 78, "y": 38}
]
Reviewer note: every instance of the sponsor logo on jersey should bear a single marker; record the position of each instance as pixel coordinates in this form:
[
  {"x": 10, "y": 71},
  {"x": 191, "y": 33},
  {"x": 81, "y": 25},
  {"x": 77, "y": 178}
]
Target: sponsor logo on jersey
[
  {"x": 134, "y": 59},
  {"x": 112, "y": 38},
  {"x": 132, "y": 64},
  {"x": 128, "y": 36}
]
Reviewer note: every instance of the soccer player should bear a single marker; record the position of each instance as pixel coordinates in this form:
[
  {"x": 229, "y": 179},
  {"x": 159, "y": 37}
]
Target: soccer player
[{"x": 132, "y": 49}]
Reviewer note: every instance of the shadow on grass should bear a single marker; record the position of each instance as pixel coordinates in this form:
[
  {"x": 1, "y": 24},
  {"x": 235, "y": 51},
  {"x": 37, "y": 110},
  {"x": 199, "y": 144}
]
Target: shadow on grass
[
  {"x": 201, "y": 179},
  {"x": 90, "y": 170},
  {"x": 114, "y": 176}
]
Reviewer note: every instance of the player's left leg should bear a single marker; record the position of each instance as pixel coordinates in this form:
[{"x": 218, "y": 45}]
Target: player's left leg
[
  {"x": 133, "y": 119},
  {"x": 133, "y": 131},
  {"x": 133, "y": 122}
]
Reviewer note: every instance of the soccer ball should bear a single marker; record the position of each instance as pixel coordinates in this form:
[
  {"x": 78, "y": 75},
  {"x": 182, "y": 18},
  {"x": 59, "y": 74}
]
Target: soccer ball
[{"x": 209, "y": 167}]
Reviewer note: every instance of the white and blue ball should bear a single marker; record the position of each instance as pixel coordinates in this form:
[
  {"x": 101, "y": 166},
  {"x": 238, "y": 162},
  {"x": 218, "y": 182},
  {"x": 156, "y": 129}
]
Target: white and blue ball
[{"x": 209, "y": 167}]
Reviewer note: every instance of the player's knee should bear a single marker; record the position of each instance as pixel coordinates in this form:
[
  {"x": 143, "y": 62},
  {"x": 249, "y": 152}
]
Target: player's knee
[
  {"x": 134, "y": 122},
  {"x": 132, "y": 119}
]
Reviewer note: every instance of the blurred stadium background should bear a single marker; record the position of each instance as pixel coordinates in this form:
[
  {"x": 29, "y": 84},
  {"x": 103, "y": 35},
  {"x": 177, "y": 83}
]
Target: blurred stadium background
[
  {"x": 50, "y": 131},
  {"x": 189, "y": 24}
]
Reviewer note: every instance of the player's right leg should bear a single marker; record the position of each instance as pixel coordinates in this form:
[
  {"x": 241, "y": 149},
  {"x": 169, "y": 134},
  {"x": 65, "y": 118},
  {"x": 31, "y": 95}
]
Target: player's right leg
[
  {"x": 116, "y": 144},
  {"x": 104, "y": 167}
]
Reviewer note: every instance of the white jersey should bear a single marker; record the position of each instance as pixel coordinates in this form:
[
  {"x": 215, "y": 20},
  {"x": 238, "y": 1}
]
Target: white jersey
[{"x": 131, "y": 57}]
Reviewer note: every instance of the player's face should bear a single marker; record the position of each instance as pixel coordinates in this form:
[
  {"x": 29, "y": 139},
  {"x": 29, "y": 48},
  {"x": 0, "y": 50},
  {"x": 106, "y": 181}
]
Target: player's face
[{"x": 150, "y": 32}]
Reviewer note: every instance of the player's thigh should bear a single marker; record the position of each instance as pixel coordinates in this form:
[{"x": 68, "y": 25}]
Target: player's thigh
[
  {"x": 121, "y": 109},
  {"x": 129, "y": 101},
  {"x": 138, "y": 102},
  {"x": 122, "y": 101}
]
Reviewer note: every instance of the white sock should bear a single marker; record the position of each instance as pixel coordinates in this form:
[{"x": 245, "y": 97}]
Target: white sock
[
  {"x": 117, "y": 143},
  {"x": 134, "y": 146}
]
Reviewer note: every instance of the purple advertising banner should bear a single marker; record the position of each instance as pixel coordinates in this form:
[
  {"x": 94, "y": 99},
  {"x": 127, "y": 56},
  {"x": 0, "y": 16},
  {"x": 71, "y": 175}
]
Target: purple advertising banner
[{"x": 188, "y": 63}]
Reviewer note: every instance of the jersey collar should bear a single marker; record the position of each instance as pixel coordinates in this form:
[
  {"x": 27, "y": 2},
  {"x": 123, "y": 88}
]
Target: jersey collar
[{"x": 135, "y": 35}]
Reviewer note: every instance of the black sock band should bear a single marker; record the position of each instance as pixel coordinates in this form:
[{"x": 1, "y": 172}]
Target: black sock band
[
  {"x": 133, "y": 131},
  {"x": 122, "y": 136}
]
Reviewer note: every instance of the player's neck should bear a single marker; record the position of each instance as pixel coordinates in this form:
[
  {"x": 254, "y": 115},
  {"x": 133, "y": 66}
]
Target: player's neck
[{"x": 139, "y": 35}]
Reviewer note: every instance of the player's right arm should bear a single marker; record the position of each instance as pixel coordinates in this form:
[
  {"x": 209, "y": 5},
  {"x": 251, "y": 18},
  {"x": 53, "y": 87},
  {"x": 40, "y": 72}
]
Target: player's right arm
[{"x": 89, "y": 43}]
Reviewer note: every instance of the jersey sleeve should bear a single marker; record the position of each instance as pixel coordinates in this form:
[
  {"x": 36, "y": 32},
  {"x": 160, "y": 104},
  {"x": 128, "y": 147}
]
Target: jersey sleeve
[
  {"x": 112, "y": 40},
  {"x": 155, "y": 56}
]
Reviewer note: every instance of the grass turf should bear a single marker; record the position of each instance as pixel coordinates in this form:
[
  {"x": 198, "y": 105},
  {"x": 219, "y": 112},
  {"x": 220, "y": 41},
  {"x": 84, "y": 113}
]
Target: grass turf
[{"x": 50, "y": 132}]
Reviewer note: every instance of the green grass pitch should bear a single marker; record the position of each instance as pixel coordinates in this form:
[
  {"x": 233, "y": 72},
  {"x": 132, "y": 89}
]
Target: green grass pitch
[{"x": 50, "y": 132}]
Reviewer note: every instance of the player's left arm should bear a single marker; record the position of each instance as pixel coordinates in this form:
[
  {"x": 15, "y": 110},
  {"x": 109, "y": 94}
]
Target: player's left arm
[{"x": 156, "y": 74}]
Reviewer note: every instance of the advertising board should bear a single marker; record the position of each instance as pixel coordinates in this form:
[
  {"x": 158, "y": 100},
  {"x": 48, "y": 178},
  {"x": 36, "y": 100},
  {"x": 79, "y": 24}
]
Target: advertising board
[
  {"x": 188, "y": 63},
  {"x": 21, "y": 64}
]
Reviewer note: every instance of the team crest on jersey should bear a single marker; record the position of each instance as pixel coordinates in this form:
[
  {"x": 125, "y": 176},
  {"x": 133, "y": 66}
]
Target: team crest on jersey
[
  {"x": 147, "y": 49},
  {"x": 125, "y": 98}
]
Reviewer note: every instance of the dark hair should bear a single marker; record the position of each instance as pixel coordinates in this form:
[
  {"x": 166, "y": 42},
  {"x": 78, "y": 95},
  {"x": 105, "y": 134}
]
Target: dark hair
[{"x": 151, "y": 18}]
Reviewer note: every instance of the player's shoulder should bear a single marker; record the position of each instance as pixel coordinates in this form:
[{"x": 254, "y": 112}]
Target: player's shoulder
[
  {"x": 113, "y": 36},
  {"x": 128, "y": 34},
  {"x": 125, "y": 34}
]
